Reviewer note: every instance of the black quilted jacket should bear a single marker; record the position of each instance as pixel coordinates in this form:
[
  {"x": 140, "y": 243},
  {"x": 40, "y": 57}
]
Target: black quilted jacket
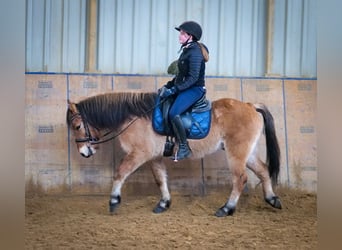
[{"x": 191, "y": 67}]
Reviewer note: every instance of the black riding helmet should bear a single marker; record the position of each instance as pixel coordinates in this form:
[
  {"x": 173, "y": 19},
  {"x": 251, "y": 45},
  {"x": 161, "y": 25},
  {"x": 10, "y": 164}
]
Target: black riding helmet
[{"x": 191, "y": 28}]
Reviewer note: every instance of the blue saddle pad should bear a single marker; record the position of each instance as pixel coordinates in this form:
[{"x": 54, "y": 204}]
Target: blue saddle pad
[{"x": 197, "y": 123}]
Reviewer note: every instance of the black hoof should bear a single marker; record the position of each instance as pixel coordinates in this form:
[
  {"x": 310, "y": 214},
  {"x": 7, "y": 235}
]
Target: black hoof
[
  {"x": 274, "y": 202},
  {"x": 224, "y": 211},
  {"x": 162, "y": 206},
  {"x": 114, "y": 202}
]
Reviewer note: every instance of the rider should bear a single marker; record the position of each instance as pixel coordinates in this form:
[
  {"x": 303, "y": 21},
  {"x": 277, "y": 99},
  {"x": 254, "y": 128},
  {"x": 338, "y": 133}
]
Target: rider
[{"x": 188, "y": 85}]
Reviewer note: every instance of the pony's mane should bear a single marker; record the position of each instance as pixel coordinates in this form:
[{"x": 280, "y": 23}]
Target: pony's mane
[{"x": 110, "y": 110}]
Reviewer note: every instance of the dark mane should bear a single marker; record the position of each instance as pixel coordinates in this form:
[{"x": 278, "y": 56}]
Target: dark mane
[{"x": 110, "y": 110}]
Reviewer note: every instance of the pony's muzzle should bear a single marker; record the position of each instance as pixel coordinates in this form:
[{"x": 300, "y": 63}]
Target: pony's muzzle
[
  {"x": 85, "y": 156},
  {"x": 87, "y": 151}
]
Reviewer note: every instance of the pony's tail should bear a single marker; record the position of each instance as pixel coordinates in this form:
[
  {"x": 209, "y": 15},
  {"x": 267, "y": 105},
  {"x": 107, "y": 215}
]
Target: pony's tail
[{"x": 273, "y": 151}]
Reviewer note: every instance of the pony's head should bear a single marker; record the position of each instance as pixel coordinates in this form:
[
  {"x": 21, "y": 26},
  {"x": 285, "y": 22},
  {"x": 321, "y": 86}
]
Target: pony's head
[
  {"x": 108, "y": 111},
  {"x": 83, "y": 132}
]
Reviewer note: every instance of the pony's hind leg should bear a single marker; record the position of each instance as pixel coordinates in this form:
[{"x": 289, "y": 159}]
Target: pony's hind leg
[
  {"x": 239, "y": 178},
  {"x": 160, "y": 176},
  {"x": 259, "y": 168}
]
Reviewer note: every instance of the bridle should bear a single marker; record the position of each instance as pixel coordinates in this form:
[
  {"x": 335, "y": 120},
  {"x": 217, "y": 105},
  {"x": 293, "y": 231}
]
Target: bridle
[
  {"x": 93, "y": 140},
  {"x": 88, "y": 137}
]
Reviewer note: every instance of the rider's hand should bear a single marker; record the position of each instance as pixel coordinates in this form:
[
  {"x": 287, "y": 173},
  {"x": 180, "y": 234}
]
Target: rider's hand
[{"x": 165, "y": 92}]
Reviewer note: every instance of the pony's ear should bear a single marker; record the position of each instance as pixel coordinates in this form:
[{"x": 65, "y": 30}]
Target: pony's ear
[{"x": 72, "y": 106}]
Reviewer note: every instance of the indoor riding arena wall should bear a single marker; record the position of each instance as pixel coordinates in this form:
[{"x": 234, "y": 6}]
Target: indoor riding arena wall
[{"x": 53, "y": 164}]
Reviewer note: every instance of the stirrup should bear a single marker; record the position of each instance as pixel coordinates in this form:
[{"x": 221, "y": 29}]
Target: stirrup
[{"x": 176, "y": 158}]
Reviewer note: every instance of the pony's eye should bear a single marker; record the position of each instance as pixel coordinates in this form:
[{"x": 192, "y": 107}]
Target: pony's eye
[{"x": 78, "y": 127}]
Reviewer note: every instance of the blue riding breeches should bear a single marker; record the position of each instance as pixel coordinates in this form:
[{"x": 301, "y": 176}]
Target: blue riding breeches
[{"x": 185, "y": 100}]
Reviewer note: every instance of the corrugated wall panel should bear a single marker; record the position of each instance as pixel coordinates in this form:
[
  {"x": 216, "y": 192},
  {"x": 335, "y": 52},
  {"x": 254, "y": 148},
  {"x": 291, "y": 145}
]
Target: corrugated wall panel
[
  {"x": 34, "y": 30},
  {"x": 53, "y": 47},
  {"x": 105, "y": 37},
  {"x": 160, "y": 48},
  {"x": 227, "y": 43},
  {"x": 309, "y": 54},
  {"x": 294, "y": 43},
  {"x": 137, "y": 37},
  {"x": 144, "y": 41},
  {"x": 293, "y": 37},
  {"x": 278, "y": 44},
  {"x": 74, "y": 34},
  {"x": 56, "y": 32},
  {"x": 250, "y": 38},
  {"x": 124, "y": 36}
]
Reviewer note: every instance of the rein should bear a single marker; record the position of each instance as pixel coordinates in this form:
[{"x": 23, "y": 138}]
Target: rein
[
  {"x": 113, "y": 136},
  {"x": 95, "y": 141}
]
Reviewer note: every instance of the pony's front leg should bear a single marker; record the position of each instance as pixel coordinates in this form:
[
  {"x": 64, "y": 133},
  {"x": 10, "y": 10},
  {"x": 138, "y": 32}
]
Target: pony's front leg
[
  {"x": 160, "y": 177},
  {"x": 128, "y": 165},
  {"x": 115, "y": 197}
]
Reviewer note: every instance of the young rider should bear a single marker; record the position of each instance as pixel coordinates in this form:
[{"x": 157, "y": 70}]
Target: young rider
[{"x": 188, "y": 86}]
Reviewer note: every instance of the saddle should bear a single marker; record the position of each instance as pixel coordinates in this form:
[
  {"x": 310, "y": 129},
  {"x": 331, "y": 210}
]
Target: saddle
[{"x": 196, "y": 120}]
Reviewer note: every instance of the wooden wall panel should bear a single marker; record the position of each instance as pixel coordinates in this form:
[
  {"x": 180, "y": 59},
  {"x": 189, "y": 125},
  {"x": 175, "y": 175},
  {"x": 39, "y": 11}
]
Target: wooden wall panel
[
  {"x": 134, "y": 84},
  {"x": 53, "y": 161},
  {"x": 269, "y": 92},
  {"x": 216, "y": 171},
  {"x": 223, "y": 88},
  {"x": 83, "y": 86},
  {"x": 46, "y": 154},
  {"x": 301, "y": 110},
  {"x": 95, "y": 173},
  {"x": 185, "y": 175},
  {"x": 162, "y": 80}
]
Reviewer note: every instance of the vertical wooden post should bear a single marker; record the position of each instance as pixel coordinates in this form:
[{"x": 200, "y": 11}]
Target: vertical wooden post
[
  {"x": 269, "y": 38},
  {"x": 91, "y": 48}
]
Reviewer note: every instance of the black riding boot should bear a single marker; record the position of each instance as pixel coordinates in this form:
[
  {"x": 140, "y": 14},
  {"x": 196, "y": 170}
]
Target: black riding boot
[{"x": 183, "y": 147}]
